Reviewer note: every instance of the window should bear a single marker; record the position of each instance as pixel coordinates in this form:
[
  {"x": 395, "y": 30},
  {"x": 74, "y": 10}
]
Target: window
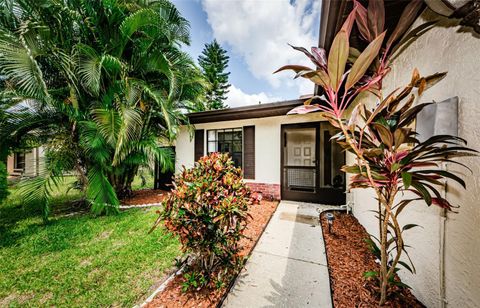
[
  {"x": 19, "y": 159},
  {"x": 226, "y": 141}
]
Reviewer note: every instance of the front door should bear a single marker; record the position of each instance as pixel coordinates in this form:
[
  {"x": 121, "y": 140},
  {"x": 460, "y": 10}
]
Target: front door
[
  {"x": 311, "y": 164},
  {"x": 164, "y": 180}
]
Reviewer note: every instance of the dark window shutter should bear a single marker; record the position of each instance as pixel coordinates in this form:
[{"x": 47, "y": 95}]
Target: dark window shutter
[
  {"x": 199, "y": 143},
  {"x": 249, "y": 152}
]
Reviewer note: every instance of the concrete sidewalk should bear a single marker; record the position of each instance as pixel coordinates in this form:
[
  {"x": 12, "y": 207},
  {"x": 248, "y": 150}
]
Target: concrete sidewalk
[{"x": 288, "y": 267}]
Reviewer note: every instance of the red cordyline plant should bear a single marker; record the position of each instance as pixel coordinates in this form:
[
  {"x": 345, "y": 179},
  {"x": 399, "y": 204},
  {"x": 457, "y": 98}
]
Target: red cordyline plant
[{"x": 389, "y": 157}]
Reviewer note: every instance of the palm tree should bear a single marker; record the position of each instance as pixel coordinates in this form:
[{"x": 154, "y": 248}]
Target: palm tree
[{"x": 101, "y": 83}]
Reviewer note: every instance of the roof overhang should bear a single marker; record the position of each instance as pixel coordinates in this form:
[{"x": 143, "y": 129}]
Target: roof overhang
[
  {"x": 334, "y": 14},
  {"x": 247, "y": 112}
]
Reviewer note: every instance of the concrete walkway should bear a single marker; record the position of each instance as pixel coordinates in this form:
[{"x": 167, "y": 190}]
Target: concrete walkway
[{"x": 288, "y": 267}]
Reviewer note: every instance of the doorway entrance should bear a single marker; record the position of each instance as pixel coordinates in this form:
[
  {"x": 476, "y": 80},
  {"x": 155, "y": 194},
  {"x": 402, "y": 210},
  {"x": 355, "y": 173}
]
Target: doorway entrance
[
  {"x": 310, "y": 164},
  {"x": 164, "y": 180}
]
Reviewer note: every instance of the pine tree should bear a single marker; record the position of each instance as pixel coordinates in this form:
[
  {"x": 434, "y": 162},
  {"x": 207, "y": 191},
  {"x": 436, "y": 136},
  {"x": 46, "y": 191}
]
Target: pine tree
[{"x": 214, "y": 62}]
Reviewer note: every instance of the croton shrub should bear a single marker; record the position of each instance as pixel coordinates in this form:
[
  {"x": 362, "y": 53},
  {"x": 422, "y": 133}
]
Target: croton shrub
[{"x": 207, "y": 209}]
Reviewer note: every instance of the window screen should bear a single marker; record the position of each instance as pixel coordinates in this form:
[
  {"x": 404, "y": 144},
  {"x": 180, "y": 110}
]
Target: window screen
[{"x": 226, "y": 141}]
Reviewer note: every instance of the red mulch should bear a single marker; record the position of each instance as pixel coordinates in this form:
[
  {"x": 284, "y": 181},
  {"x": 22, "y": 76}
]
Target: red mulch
[
  {"x": 348, "y": 258},
  {"x": 173, "y": 297},
  {"x": 145, "y": 196}
]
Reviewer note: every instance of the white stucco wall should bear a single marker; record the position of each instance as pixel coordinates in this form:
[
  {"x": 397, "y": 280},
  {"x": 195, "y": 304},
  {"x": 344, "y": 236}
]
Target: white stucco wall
[
  {"x": 444, "y": 48},
  {"x": 267, "y": 143}
]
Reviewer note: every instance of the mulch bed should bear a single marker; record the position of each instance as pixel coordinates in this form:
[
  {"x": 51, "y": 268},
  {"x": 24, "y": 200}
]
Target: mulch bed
[
  {"x": 173, "y": 297},
  {"x": 145, "y": 196},
  {"x": 348, "y": 258}
]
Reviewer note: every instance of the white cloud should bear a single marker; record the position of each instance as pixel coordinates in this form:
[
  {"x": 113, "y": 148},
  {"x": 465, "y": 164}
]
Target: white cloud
[
  {"x": 259, "y": 31},
  {"x": 238, "y": 98}
]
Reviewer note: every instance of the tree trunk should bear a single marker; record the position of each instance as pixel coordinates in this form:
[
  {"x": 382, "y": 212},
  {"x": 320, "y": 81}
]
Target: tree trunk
[
  {"x": 384, "y": 260},
  {"x": 385, "y": 271},
  {"x": 123, "y": 182}
]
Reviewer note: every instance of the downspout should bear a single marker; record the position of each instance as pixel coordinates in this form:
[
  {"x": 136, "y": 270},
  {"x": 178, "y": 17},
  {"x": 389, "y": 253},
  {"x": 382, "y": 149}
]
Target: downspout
[
  {"x": 446, "y": 122},
  {"x": 443, "y": 226},
  {"x": 443, "y": 299}
]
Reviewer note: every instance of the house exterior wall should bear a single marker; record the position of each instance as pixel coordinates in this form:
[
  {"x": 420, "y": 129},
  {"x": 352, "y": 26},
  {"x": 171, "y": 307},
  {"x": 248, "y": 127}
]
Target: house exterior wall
[
  {"x": 267, "y": 147},
  {"x": 30, "y": 163},
  {"x": 444, "y": 48},
  {"x": 10, "y": 164},
  {"x": 34, "y": 162}
]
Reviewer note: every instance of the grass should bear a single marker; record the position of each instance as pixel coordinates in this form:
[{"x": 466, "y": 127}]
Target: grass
[
  {"x": 139, "y": 184},
  {"x": 80, "y": 260}
]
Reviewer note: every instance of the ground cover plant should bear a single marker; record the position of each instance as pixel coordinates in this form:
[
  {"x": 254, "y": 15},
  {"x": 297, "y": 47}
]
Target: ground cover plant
[
  {"x": 388, "y": 156},
  {"x": 76, "y": 261},
  {"x": 100, "y": 84},
  {"x": 207, "y": 209}
]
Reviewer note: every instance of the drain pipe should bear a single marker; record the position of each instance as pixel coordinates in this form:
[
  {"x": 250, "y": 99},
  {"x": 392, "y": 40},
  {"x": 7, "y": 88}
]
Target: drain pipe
[
  {"x": 443, "y": 299},
  {"x": 347, "y": 207},
  {"x": 443, "y": 225},
  {"x": 350, "y": 201}
]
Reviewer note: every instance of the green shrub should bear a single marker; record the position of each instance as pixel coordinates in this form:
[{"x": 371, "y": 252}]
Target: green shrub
[
  {"x": 3, "y": 182},
  {"x": 207, "y": 209}
]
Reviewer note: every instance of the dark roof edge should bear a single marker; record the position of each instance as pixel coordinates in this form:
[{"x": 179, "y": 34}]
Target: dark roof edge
[
  {"x": 247, "y": 112},
  {"x": 331, "y": 19}
]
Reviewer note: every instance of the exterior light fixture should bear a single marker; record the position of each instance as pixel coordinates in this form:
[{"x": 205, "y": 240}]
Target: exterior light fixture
[{"x": 330, "y": 219}]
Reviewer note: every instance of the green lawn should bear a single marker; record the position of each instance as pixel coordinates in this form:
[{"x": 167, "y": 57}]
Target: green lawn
[
  {"x": 79, "y": 260},
  {"x": 137, "y": 181}
]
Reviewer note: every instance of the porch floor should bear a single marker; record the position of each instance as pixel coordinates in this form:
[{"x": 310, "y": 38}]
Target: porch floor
[{"x": 288, "y": 267}]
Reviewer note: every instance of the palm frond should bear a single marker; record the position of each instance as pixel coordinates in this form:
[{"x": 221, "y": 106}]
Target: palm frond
[
  {"x": 129, "y": 133},
  {"x": 147, "y": 153},
  {"x": 93, "y": 143},
  {"x": 89, "y": 68},
  {"x": 141, "y": 18},
  {"x": 38, "y": 190},
  {"x": 18, "y": 63},
  {"x": 163, "y": 105},
  {"x": 29, "y": 117},
  {"x": 178, "y": 27},
  {"x": 109, "y": 123},
  {"x": 101, "y": 193}
]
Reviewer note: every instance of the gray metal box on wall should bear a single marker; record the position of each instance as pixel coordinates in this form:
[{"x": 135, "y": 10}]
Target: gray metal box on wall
[{"x": 440, "y": 118}]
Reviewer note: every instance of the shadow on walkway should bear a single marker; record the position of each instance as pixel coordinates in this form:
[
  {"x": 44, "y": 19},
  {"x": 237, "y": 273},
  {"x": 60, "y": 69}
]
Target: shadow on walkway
[{"x": 287, "y": 268}]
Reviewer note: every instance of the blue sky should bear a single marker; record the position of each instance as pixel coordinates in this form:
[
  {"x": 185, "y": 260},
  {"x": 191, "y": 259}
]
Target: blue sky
[{"x": 255, "y": 34}]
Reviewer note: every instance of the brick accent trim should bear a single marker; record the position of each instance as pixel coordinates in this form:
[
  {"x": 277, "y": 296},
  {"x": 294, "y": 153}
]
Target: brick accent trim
[{"x": 269, "y": 191}]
